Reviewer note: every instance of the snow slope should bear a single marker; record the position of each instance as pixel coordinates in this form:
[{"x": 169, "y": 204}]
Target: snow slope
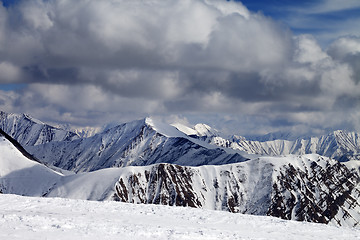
[
  {"x": 20, "y": 175},
  {"x": 51, "y": 218}
]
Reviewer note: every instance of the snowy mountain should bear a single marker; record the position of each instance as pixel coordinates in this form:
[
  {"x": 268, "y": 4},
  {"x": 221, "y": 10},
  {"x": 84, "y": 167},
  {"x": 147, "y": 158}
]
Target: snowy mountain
[
  {"x": 137, "y": 143},
  {"x": 29, "y": 131},
  {"x": 200, "y": 130},
  {"x": 340, "y": 145},
  {"x": 125, "y": 144},
  {"x": 274, "y": 136},
  {"x": 306, "y": 188}
]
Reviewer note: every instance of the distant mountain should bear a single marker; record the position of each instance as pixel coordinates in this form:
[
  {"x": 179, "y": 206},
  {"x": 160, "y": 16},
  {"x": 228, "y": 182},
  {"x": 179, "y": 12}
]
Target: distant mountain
[
  {"x": 137, "y": 143},
  {"x": 29, "y": 131},
  {"x": 340, "y": 145},
  {"x": 275, "y": 136}
]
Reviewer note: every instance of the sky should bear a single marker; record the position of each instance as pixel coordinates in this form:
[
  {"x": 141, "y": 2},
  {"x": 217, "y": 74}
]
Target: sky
[{"x": 244, "y": 67}]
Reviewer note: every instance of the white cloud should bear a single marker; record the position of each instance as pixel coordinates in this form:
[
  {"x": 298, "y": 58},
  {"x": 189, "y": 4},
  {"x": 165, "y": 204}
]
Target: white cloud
[
  {"x": 125, "y": 59},
  {"x": 157, "y": 33},
  {"x": 326, "y": 6},
  {"x": 308, "y": 50},
  {"x": 339, "y": 81},
  {"x": 37, "y": 14},
  {"x": 344, "y": 46}
]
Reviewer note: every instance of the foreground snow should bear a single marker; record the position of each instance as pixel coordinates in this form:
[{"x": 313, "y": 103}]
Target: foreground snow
[{"x": 54, "y": 218}]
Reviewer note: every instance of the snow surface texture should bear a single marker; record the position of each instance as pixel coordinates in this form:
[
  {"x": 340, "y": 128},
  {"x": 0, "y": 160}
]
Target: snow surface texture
[{"x": 51, "y": 218}]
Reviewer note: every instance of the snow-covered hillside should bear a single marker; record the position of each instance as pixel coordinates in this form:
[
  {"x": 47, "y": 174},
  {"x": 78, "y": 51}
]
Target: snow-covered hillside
[
  {"x": 306, "y": 188},
  {"x": 20, "y": 175},
  {"x": 50, "y": 218},
  {"x": 137, "y": 143},
  {"x": 29, "y": 131}
]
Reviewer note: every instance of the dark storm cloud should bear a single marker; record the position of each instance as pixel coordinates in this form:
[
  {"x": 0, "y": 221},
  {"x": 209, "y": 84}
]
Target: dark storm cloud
[{"x": 180, "y": 56}]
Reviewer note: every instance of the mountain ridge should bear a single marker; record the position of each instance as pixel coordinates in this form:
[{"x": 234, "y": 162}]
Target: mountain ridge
[
  {"x": 30, "y": 131},
  {"x": 340, "y": 144},
  {"x": 141, "y": 142}
]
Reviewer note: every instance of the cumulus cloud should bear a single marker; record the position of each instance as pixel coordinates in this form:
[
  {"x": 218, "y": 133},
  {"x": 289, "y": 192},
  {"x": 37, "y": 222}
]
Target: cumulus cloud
[
  {"x": 90, "y": 61},
  {"x": 344, "y": 47}
]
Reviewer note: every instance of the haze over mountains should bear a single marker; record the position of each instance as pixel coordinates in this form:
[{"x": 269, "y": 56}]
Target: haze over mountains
[{"x": 233, "y": 174}]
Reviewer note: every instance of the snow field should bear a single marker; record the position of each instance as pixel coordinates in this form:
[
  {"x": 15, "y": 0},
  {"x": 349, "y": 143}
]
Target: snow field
[{"x": 55, "y": 218}]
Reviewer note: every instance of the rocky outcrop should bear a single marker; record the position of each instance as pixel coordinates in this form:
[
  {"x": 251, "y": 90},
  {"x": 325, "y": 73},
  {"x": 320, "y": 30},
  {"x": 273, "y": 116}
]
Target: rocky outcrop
[
  {"x": 317, "y": 194},
  {"x": 313, "y": 189}
]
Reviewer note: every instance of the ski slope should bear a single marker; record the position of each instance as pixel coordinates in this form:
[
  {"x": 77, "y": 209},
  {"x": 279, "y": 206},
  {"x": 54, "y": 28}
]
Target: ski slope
[{"x": 56, "y": 218}]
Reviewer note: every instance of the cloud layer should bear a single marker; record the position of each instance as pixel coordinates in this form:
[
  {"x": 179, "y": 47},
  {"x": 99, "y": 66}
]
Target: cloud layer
[{"x": 89, "y": 62}]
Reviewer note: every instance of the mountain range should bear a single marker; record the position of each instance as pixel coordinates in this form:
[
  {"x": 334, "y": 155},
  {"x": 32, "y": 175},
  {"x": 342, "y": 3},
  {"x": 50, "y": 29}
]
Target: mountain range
[
  {"x": 147, "y": 161},
  {"x": 340, "y": 145}
]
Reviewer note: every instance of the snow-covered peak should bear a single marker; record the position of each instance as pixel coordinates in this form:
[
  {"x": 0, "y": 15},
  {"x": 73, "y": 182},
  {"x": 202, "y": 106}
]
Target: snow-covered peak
[
  {"x": 86, "y": 132},
  {"x": 30, "y": 118},
  {"x": 235, "y": 138},
  {"x": 163, "y": 128},
  {"x": 280, "y": 135},
  {"x": 185, "y": 129},
  {"x": 205, "y": 130},
  {"x": 200, "y": 130}
]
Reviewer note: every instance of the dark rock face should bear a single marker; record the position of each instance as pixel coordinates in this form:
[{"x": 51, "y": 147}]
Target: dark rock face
[
  {"x": 167, "y": 184},
  {"x": 316, "y": 194},
  {"x": 321, "y": 191}
]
